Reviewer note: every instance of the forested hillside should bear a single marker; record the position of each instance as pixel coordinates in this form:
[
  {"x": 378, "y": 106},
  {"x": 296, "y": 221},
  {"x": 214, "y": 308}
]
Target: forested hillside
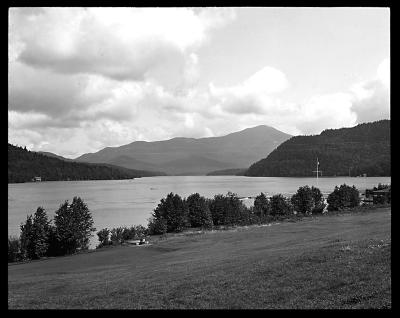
[
  {"x": 23, "y": 165},
  {"x": 363, "y": 149}
]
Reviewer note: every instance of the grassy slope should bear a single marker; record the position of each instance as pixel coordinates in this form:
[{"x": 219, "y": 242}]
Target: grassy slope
[{"x": 340, "y": 261}]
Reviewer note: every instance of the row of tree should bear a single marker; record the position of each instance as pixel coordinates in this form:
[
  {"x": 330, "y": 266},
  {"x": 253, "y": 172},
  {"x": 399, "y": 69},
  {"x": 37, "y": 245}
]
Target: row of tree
[
  {"x": 68, "y": 233},
  {"x": 23, "y": 165},
  {"x": 174, "y": 214},
  {"x": 72, "y": 226}
]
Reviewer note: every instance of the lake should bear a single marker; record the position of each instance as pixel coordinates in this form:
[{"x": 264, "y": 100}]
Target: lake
[{"x": 116, "y": 203}]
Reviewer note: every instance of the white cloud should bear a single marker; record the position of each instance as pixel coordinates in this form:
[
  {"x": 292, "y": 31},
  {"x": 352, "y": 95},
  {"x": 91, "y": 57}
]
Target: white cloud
[
  {"x": 83, "y": 79},
  {"x": 326, "y": 111},
  {"x": 254, "y": 95},
  {"x": 120, "y": 43},
  {"x": 371, "y": 98},
  {"x": 383, "y": 72}
]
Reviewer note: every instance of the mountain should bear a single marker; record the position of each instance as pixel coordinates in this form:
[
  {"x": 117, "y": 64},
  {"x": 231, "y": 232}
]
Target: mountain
[
  {"x": 191, "y": 156},
  {"x": 354, "y": 151},
  {"x": 23, "y": 165}
]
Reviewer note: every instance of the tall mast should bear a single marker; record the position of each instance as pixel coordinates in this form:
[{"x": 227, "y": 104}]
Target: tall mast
[{"x": 317, "y": 171}]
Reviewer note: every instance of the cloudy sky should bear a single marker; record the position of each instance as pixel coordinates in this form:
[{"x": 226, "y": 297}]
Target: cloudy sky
[{"x": 81, "y": 79}]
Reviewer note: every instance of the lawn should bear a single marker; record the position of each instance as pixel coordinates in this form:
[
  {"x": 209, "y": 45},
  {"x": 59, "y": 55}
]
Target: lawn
[{"x": 338, "y": 261}]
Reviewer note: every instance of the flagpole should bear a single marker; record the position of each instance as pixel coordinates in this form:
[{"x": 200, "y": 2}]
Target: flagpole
[{"x": 317, "y": 171}]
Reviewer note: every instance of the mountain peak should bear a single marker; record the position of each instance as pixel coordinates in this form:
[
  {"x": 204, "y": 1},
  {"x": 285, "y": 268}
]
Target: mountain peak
[{"x": 195, "y": 155}]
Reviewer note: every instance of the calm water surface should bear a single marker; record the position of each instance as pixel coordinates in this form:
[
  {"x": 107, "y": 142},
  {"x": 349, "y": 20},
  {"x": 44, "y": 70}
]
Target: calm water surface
[{"x": 127, "y": 202}]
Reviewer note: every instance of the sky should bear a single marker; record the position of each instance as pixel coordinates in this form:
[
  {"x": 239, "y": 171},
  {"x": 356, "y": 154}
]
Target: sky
[{"x": 81, "y": 79}]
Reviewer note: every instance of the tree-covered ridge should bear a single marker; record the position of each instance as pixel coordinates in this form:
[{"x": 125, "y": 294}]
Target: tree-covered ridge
[
  {"x": 363, "y": 149},
  {"x": 23, "y": 165}
]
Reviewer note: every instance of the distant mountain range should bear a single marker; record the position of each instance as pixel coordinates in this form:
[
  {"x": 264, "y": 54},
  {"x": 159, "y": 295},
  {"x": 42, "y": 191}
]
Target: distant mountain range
[
  {"x": 24, "y": 165},
  {"x": 363, "y": 149},
  {"x": 191, "y": 156}
]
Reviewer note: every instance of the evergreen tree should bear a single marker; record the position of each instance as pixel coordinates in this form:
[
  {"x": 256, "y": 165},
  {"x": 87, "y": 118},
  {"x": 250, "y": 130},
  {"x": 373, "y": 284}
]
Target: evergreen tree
[
  {"x": 35, "y": 235},
  {"x": 74, "y": 224},
  {"x": 173, "y": 211},
  {"x": 198, "y": 211},
  {"x": 217, "y": 208},
  {"x": 280, "y": 206},
  {"x": 262, "y": 207}
]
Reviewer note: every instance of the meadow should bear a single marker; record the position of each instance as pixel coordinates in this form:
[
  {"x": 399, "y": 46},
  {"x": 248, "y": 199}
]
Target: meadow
[{"x": 329, "y": 261}]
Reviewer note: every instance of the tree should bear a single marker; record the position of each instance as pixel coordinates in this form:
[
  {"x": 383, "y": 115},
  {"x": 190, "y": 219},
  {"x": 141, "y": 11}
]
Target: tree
[
  {"x": 157, "y": 225},
  {"x": 303, "y": 200},
  {"x": 343, "y": 197},
  {"x": 173, "y": 211},
  {"x": 198, "y": 211},
  {"x": 74, "y": 225},
  {"x": 229, "y": 210},
  {"x": 308, "y": 200},
  {"x": 319, "y": 204},
  {"x": 35, "y": 235},
  {"x": 262, "y": 207},
  {"x": 14, "y": 249},
  {"x": 217, "y": 209},
  {"x": 280, "y": 206}
]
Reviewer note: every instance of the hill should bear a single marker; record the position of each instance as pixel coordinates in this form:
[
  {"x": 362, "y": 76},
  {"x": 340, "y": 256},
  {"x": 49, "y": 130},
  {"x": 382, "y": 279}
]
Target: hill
[
  {"x": 354, "y": 151},
  {"x": 53, "y": 155},
  {"x": 186, "y": 156},
  {"x": 23, "y": 165},
  {"x": 245, "y": 268}
]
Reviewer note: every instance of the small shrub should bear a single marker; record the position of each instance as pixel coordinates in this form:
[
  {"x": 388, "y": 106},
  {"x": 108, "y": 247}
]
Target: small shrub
[
  {"x": 117, "y": 235},
  {"x": 135, "y": 232},
  {"x": 104, "y": 237}
]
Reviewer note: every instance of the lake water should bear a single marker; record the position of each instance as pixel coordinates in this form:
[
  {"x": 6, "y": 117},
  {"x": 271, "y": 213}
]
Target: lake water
[{"x": 116, "y": 203}]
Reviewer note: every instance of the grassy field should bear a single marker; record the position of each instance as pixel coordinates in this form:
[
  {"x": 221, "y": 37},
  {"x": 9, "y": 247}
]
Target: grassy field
[{"x": 339, "y": 261}]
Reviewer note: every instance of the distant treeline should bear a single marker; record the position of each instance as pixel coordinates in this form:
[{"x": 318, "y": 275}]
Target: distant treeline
[
  {"x": 23, "y": 165},
  {"x": 364, "y": 149},
  {"x": 176, "y": 214},
  {"x": 227, "y": 172}
]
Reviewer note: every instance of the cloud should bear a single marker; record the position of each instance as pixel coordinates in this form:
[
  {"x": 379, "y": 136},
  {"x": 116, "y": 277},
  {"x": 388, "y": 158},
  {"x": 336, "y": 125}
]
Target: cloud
[
  {"x": 50, "y": 93},
  {"x": 255, "y": 95},
  {"x": 326, "y": 111},
  {"x": 120, "y": 43},
  {"x": 371, "y": 99},
  {"x": 84, "y": 79}
]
